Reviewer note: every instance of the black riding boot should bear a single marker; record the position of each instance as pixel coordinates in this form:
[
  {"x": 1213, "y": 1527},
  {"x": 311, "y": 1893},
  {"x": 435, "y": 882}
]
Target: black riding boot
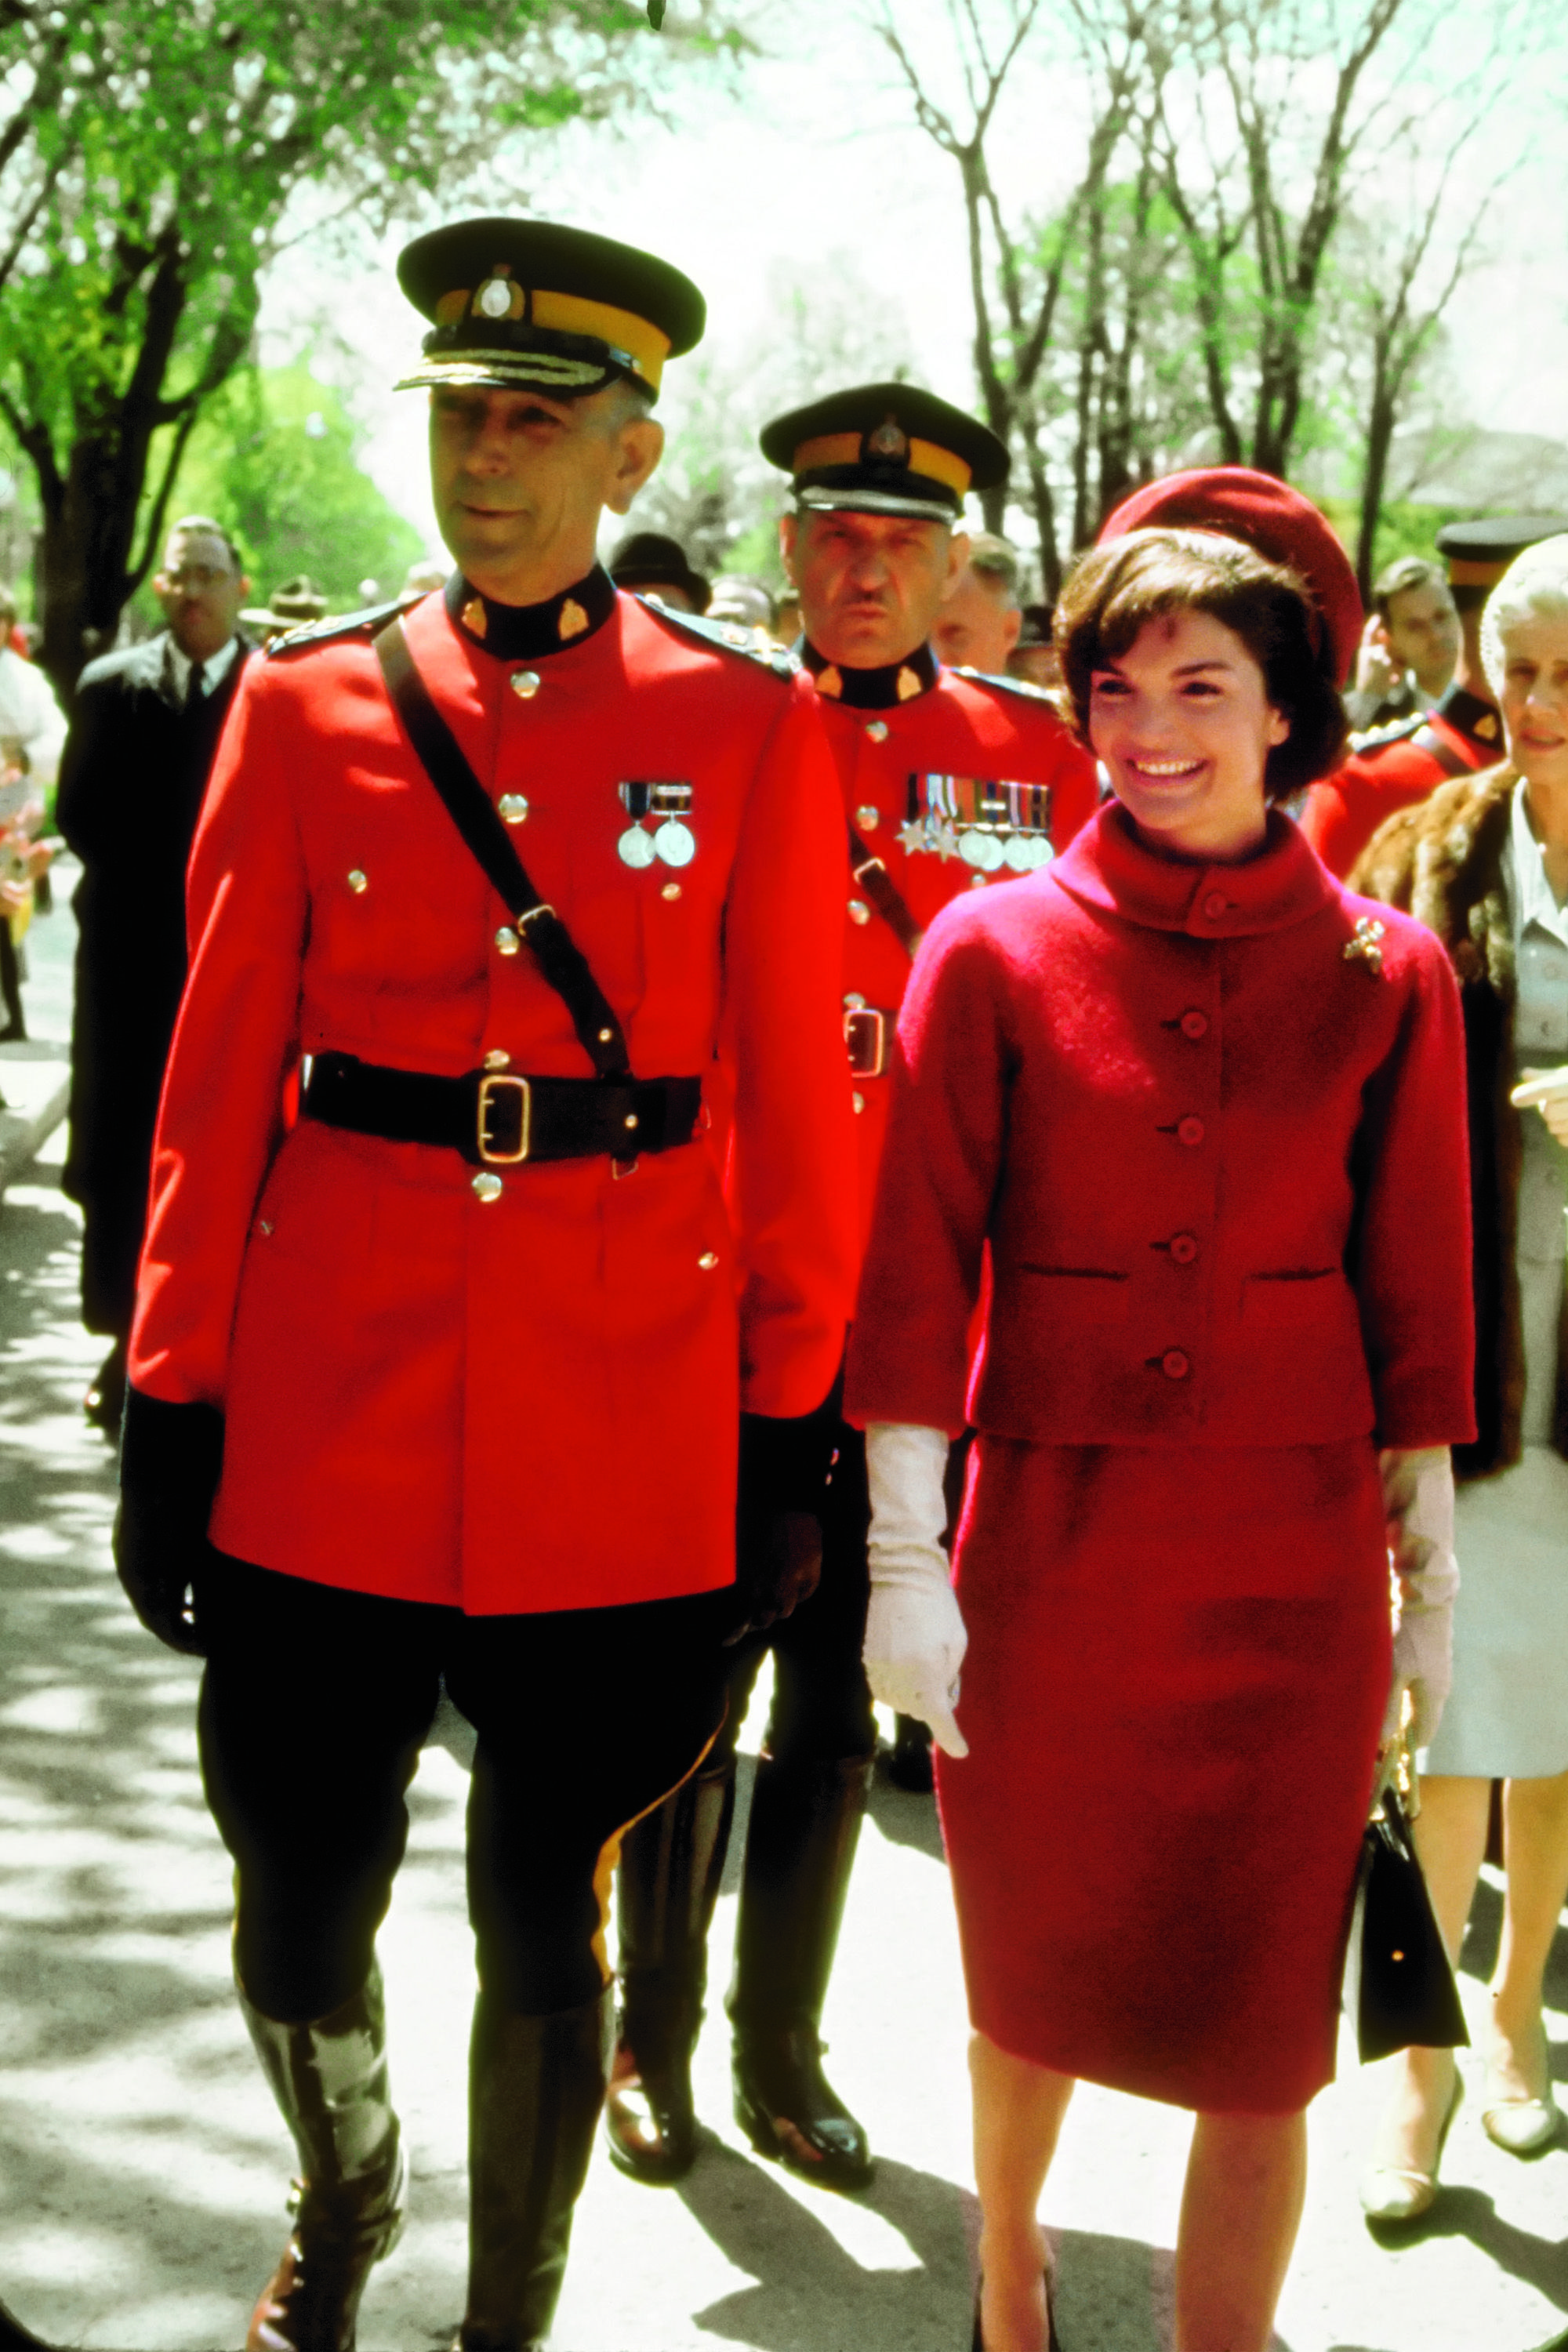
[
  {"x": 800, "y": 1849},
  {"x": 535, "y": 2088},
  {"x": 672, "y": 1864},
  {"x": 329, "y": 2077},
  {"x": 15, "y": 2338}
]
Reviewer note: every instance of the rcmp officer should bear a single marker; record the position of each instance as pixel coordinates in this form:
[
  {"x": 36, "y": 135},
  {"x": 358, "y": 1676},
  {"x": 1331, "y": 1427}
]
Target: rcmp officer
[
  {"x": 450, "y": 1371},
  {"x": 1391, "y": 767},
  {"x": 949, "y": 782}
]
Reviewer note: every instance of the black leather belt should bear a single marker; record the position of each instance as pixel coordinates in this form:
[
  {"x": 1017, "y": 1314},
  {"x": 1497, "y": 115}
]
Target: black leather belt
[
  {"x": 868, "y": 1038},
  {"x": 495, "y": 1120}
]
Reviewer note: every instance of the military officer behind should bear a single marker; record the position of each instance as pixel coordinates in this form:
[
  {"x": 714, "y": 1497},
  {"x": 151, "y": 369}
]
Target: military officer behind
[
  {"x": 950, "y": 782},
  {"x": 1405, "y": 662},
  {"x": 1392, "y": 767},
  {"x": 980, "y": 620},
  {"x": 448, "y": 1378}
]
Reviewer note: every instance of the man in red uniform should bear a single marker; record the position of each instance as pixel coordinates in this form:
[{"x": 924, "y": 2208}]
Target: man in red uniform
[
  {"x": 951, "y": 782},
  {"x": 1391, "y": 767},
  {"x": 446, "y": 1379}
]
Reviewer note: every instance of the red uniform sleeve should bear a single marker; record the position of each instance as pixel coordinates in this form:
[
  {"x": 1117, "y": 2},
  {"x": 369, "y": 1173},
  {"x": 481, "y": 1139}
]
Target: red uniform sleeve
[
  {"x": 1075, "y": 792},
  {"x": 791, "y": 1161},
  {"x": 1412, "y": 1261},
  {"x": 246, "y": 917},
  {"x": 910, "y": 1351}
]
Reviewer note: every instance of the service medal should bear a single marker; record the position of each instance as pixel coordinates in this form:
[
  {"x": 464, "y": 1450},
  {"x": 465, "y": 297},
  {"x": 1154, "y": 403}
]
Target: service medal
[
  {"x": 675, "y": 843},
  {"x": 635, "y": 847}
]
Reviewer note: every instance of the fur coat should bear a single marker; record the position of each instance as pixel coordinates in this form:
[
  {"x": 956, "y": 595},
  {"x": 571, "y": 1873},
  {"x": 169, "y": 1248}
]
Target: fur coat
[{"x": 1442, "y": 862}]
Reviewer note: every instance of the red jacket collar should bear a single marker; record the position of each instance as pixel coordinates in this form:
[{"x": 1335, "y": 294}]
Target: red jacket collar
[{"x": 1107, "y": 867}]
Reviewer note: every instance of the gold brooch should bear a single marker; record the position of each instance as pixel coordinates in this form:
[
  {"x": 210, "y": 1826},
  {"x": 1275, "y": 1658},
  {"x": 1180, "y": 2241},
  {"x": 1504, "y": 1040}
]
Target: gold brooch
[{"x": 1363, "y": 947}]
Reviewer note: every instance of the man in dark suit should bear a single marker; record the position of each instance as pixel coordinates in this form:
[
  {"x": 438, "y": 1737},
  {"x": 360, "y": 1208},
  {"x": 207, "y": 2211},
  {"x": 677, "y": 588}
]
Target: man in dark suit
[{"x": 146, "y": 725}]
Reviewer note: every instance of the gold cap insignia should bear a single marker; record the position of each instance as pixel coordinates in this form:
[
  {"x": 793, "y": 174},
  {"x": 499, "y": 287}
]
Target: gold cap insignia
[{"x": 889, "y": 441}]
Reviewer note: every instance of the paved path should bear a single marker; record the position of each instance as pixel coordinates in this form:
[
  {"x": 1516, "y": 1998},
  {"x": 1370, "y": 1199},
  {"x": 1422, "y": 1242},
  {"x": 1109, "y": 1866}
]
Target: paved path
[{"x": 142, "y": 2167}]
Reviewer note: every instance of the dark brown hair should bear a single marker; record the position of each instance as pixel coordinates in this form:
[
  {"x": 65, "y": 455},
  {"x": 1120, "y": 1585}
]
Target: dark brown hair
[{"x": 1116, "y": 589}]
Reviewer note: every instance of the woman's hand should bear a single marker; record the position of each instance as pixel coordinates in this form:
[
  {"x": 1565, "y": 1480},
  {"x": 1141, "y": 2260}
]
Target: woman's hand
[
  {"x": 1418, "y": 1504},
  {"x": 915, "y": 1637},
  {"x": 1547, "y": 1092}
]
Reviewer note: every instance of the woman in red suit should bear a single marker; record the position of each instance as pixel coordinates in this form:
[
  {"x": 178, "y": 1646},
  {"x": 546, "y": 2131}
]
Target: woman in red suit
[{"x": 1205, "y": 1109}]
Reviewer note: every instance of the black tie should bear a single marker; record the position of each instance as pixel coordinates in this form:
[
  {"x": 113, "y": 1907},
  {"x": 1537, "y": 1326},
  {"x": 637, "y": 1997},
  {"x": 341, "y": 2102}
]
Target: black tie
[{"x": 196, "y": 690}]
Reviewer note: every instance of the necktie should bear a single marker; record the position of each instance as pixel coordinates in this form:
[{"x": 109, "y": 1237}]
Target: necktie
[{"x": 196, "y": 687}]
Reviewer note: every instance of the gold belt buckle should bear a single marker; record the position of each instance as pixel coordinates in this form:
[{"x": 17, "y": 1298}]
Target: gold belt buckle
[
  {"x": 866, "y": 1038},
  {"x": 490, "y": 1087}
]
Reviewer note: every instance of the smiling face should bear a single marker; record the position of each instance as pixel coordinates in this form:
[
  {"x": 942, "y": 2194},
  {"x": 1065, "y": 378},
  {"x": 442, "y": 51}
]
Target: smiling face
[
  {"x": 1185, "y": 726},
  {"x": 1535, "y": 702},
  {"x": 870, "y": 585},
  {"x": 521, "y": 481}
]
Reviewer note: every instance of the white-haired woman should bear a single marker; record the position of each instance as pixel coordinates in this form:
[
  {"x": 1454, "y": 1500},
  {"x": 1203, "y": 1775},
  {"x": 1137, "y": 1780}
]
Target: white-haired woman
[{"x": 1485, "y": 863}]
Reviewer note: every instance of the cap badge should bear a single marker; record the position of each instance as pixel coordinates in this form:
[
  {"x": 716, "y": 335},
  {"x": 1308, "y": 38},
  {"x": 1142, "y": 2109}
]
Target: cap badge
[
  {"x": 1363, "y": 946},
  {"x": 890, "y": 441},
  {"x": 496, "y": 298},
  {"x": 573, "y": 621}
]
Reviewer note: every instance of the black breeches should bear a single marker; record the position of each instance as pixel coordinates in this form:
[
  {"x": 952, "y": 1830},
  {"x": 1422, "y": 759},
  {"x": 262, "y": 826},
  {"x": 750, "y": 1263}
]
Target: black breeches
[
  {"x": 314, "y": 1707},
  {"x": 821, "y": 1710}
]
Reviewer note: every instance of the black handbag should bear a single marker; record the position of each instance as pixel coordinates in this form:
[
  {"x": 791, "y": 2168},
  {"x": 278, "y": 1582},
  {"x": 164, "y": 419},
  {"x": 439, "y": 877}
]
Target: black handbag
[{"x": 1399, "y": 1986}]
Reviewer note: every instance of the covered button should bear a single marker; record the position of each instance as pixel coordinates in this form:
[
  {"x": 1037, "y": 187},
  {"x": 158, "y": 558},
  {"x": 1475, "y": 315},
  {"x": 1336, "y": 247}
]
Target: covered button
[
  {"x": 1174, "y": 1364},
  {"x": 1215, "y": 905},
  {"x": 1183, "y": 1249},
  {"x": 1190, "y": 1132},
  {"x": 1194, "y": 1024}
]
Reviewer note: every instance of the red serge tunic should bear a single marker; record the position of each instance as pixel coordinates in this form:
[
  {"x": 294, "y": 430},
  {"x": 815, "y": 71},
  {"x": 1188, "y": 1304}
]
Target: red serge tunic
[
  {"x": 913, "y": 763},
  {"x": 531, "y": 1402},
  {"x": 1212, "y": 1127}
]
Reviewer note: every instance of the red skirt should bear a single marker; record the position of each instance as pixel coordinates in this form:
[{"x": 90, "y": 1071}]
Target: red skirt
[{"x": 1178, "y": 1663}]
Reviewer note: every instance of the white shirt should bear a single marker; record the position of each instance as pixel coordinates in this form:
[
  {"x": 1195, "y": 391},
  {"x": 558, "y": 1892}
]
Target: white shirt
[
  {"x": 1541, "y": 1043},
  {"x": 30, "y": 716},
  {"x": 215, "y": 669}
]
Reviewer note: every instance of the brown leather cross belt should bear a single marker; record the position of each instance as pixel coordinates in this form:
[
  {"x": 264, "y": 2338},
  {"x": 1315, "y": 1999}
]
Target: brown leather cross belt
[
  {"x": 868, "y": 1036},
  {"x": 497, "y": 1120}
]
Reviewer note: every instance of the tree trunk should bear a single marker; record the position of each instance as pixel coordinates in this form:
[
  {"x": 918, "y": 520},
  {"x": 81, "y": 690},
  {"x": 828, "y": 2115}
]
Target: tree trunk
[{"x": 1375, "y": 474}]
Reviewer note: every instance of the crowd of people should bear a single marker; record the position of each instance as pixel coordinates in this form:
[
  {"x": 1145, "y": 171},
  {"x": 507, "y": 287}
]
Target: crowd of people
[{"x": 996, "y": 1158}]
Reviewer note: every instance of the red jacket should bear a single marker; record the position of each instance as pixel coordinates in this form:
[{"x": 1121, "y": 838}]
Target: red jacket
[
  {"x": 529, "y": 1403},
  {"x": 1392, "y": 768},
  {"x": 1220, "y": 1159},
  {"x": 963, "y": 728}
]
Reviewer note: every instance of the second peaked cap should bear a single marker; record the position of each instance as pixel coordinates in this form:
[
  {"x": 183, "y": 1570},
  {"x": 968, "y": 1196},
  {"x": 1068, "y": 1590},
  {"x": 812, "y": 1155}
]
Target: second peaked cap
[
  {"x": 526, "y": 304},
  {"x": 885, "y": 448}
]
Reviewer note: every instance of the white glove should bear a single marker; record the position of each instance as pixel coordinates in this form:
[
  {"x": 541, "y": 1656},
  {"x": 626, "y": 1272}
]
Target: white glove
[
  {"x": 1418, "y": 1505},
  {"x": 915, "y": 1639}
]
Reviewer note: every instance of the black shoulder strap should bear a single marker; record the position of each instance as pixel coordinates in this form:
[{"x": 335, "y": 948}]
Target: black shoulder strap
[
  {"x": 883, "y": 892},
  {"x": 560, "y": 959}
]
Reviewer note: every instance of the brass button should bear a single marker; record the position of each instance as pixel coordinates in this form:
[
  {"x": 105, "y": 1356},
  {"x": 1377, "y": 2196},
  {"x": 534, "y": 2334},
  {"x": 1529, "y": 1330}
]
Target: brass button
[
  {"x": 487, "y": 1185},
  {"x": 630, "y": 1120},
  {"x": 671, "y": 891},
  {"x": 507, "y": 941},
  {"x": 1183, "y": 1249},
  {"x": 495, "y": 1060},
  {"x": 526, "y": 683},
  {"x": 707, "y": 1261},
  {"x": 1190, "y": 1132},
  {"x": 1174, "y": 1364},
  {"x": 877, "y": 730},
  {"x": 978, "y": 881},
  {"x": 358, "y": 881},
  {"x": 264, "y": 1224},
  {"x": 854, "y": 1001},
  {"x": 859, "y": 1100},
  {"x": 868, "y": 818},
  {"x": 514, "y": 808},
  {"x": 858, "y": 911},
  {"x": 1215, "y": 905},
  {"x": 606, "y": 1036},
  {"x": 1194, "y": 1024}
]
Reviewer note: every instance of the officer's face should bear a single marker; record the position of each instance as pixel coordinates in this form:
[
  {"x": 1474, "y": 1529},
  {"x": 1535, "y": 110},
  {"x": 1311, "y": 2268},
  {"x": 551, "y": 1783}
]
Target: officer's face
[
  {"x": 1184, "y": 725},
  {"x": 1535, "y": 708},
  {"x": 870, "y": 585},
  {"x": 976, "y": 628},
  {"x": 1423, "y": 634},
  {"x": 201, "y": 589},
  {"x": 520, "y": 481}
]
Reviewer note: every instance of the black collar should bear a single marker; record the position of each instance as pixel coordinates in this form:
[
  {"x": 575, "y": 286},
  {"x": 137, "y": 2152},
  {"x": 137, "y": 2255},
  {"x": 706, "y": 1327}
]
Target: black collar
[
  {"x": 872, "y": 689},
  {"x": 529, "y": 632},
  {"x": 1472, "y": 718}
]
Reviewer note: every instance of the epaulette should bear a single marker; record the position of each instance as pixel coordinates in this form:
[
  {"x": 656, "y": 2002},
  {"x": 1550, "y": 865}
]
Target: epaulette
[
  {"x": 345, "y": 625},
  {"x": 1398, "y": 731},
  {"x": 727, "y": 636},
  {"x": 1049, "y": 695}
]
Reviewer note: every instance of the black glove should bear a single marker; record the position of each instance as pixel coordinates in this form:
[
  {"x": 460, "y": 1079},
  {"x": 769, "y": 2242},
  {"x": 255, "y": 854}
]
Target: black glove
[
  {"x": 778, "y": 1535},
  {"x": 170, "y": 1463}
]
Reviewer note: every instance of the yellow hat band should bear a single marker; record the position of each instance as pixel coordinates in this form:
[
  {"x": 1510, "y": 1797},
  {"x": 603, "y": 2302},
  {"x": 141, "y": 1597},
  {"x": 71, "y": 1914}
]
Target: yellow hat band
[
  {"x": 844, "y": 448},
  {"x": 627, "y": 337},
  {"x": 1470, "y": 572}
]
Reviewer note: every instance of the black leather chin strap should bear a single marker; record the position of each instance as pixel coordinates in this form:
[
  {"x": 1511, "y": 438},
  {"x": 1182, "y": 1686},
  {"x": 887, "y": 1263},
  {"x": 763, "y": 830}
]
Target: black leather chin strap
[{"x": 561, "y": 961}]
